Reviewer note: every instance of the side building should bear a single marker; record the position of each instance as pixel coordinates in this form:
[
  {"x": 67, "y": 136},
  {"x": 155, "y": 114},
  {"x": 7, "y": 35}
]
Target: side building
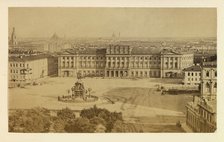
[
  {"x": 23, "y": 70},
  {"x": 201, "y": 112},
  {"x": 122, "y": 61},
  {"x": 192, "y": 75}
]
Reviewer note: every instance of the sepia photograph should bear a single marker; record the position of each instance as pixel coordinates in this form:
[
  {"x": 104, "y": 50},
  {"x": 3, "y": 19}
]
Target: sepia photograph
[{"x": 112, "y": 70}]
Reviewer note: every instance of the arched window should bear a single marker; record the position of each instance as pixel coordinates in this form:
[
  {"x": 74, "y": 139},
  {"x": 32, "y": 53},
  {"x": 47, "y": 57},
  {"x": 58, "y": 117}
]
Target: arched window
[
  {"x": 215, "y": 87},
  {"x": 207, "y": 73},
  {"x": 207, "y": 87}
]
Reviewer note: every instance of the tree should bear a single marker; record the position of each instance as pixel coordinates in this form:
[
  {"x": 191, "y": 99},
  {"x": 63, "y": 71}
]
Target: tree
[
  {"x": 97, "y": 120},
  {"x": 66, "y": 114},
  {"x": 107, "y": 116},
  {"x": 81, "y": 125},
  {"x": 33, "y": 120}
]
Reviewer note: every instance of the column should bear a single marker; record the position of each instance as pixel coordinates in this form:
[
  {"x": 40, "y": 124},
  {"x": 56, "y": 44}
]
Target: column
[
  {"x": 173, "y": 63},
  {"x": 115, "y": 62},
  {"x": 161, "y": 66},
  {"x": 168, "y": 60},
  {"x": 179, "y": 63}
]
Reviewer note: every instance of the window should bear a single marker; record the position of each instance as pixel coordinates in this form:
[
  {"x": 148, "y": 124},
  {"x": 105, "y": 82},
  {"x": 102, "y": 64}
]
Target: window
[
  {"x": 189, "y": 74},
  {"x": 67, "y": 57},
  {"x": 207, "y": 87},
  {"x": 175, "y": 64},
  {"x": 215, "y": 87},
  {"x": 207, "y": 74},
  {"x": 215, "y": 73},
  {"x": 192, "y": 74}
]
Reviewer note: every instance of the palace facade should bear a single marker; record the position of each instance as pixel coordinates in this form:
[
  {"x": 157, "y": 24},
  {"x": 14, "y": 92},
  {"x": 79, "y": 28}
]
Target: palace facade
[{"x": 122, "y": 61}]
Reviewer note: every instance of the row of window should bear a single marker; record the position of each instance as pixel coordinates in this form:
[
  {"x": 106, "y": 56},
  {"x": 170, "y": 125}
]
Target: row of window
[
  {"x": 88, "y": 72},
  {"x": 18, "y": 71},
  {"x": 18, "y": 65},
  {"x": 145, "y": 73},
  {"x": 109, "y": 58},
  {"x": 171, "y": 65},
  {"x": 84, "y": 57},
  {"x": 194, "y": 74},
  {"x": 171, "y": 58},
  {"x": 208, "y": 74},
  {"x": 193, "y": 79},
  {"x": 71, "y": 65},
  {"x": 16, "y": 77}
]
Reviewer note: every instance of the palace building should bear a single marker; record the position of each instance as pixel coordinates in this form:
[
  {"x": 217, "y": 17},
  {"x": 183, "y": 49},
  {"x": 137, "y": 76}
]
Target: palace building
[
  {"x": 122, "y": 61},
  {"x": 201, "y": 112}
]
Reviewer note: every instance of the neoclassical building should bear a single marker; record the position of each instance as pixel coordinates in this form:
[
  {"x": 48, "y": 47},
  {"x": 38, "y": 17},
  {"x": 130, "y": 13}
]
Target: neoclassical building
[
  {"x": 202, "y": 111},
  {"x": 122, "y": 61}
]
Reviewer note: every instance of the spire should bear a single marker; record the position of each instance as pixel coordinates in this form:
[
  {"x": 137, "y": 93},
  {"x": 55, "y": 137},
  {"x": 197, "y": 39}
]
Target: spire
[{"x": 13, "y": 40}]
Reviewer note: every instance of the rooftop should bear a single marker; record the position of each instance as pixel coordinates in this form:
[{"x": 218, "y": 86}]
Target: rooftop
[
  {"x": 27, "y": 58},
  {"x": 193, "y": 68},
  {"x": 84, "y": 51}
]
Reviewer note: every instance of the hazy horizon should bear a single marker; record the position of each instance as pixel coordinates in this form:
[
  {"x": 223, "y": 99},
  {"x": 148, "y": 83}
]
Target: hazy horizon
[{"x": 103, "y": 22}]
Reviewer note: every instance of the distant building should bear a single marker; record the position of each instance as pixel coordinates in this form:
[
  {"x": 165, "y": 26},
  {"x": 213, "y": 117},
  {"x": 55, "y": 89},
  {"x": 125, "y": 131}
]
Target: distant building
[
  {"x": 192, "y": 75},
  {"x": 122, "y": 61},
  {"x": 56, "y": 44},
  {"x": 201, "y": 112}
]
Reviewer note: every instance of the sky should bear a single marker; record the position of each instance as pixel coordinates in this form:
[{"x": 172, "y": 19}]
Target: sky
[{"x": 103, "y": 22}]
